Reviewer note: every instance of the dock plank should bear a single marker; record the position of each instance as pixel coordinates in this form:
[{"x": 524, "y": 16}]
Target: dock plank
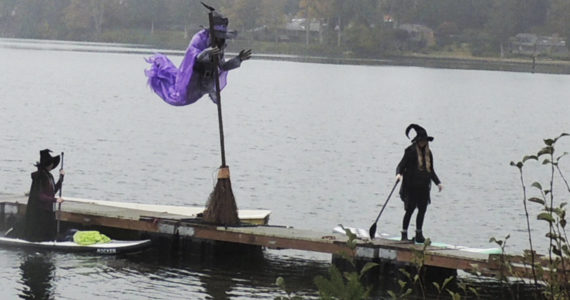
[
  {"x": 278, "y": 238},
  {"x": 134, "y": 211}
]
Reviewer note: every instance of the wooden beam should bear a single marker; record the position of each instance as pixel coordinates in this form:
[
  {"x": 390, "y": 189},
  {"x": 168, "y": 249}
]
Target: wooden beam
[
  {"x": 85, "y": 219},
  {"x": 271, "y": 241},
  {"x": 448, "y": 262}
]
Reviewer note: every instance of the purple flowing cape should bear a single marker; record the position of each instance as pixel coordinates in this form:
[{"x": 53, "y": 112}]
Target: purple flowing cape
[{"x": 180, "y": 86}]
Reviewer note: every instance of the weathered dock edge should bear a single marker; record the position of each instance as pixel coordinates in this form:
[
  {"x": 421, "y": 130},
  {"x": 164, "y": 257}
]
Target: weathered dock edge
[{"x": 107, "y": 214}]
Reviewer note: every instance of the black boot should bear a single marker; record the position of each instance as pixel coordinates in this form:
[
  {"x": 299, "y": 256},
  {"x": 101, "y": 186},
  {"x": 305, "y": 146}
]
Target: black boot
[
  {"x": 404, "y": 235},
  {"x": 419, "y": 237}
]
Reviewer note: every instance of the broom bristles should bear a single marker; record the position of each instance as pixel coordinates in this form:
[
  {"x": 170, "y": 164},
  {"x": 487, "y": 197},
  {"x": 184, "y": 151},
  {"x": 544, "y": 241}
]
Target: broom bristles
[{"x": 221, "y": 208}]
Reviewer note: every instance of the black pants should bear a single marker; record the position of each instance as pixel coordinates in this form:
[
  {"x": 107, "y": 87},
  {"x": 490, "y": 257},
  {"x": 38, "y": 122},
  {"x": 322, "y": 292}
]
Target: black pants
[
  {"x": 419, "y": 218},
  {"x": 416, "y": 198}
]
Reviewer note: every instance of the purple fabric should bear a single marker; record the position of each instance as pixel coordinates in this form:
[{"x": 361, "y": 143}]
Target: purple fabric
[{"x": 180, "y": 86}]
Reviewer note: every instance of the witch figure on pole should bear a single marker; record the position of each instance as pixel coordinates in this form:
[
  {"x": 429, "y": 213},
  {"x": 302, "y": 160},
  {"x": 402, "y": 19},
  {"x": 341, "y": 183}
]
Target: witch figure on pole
[{"x": 203, "y": 71}]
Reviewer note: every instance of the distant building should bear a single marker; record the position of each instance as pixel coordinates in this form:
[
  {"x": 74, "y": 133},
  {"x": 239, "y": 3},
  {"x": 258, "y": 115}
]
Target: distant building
[
  {"x": 532, "y": 44},
  {"x": 420, "y": 34},
  {"x": 294, "y": 30}
]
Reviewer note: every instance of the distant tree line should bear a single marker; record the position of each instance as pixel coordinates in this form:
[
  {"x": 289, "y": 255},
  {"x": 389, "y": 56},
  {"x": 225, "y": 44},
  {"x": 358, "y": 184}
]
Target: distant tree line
[{"x": 363, "y": 27}]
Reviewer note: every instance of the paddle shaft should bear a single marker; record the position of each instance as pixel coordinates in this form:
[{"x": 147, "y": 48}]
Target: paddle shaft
[
  {"x": 373, "y": 227},
  {"x": 59, "y": 204},
  {"x": 218, "y": 96}
]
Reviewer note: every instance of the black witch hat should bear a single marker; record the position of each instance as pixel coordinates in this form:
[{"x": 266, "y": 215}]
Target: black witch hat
[
  {"x": 46, "y": 159},
  {"x": 421, "y": 133},
  {"x": 221, "y": 25}
]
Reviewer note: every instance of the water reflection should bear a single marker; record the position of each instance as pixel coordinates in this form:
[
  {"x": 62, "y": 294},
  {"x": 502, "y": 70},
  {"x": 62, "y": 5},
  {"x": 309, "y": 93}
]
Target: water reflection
[
  {"x": 208, "y": 274},
  {"x": 217, "y": 287},
  {"x": 37, "y": 270},
  {"x": 220, "y": 275},
  {"x": 222, "y": 283}
]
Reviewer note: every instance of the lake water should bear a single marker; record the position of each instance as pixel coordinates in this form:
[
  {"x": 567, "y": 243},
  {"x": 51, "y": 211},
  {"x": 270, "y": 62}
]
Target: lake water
[{"x": 316, "y": 144}]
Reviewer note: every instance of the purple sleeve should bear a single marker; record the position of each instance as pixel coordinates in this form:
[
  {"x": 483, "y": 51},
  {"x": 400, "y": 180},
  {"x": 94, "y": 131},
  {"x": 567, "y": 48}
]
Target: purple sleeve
[
  {"x": 46, "y": 192},
  {"x": 46, "y": 198}
]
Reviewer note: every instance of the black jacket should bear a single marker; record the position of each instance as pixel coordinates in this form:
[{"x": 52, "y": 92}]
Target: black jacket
[
  {"x": 413, "y": 178},
  {"x": 40, "y": 217}
]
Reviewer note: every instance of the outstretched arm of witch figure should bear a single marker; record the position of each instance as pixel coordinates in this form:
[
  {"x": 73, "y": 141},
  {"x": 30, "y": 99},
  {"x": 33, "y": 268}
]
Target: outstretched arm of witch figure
[
  {"x": 236, "y": 61},
  {"x": 244, "y": 54}
]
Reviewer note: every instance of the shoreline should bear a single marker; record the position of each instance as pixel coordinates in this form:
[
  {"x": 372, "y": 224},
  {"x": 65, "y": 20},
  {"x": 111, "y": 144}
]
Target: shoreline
[{"x": 427, "y": 61}]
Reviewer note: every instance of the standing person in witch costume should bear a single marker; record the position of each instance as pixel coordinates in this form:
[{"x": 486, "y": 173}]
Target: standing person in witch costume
[
  {"x": 40, "y": 214},
  {"x": 194, "y": 78},
  {"x": 416, "y": 172}
]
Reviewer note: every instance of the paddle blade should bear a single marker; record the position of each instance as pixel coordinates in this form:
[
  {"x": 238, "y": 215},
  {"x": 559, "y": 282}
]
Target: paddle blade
[{"x": 372, "y": 231}]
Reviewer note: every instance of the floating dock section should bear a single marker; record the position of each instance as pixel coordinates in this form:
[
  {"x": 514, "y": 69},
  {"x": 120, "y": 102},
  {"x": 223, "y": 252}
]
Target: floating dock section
[{"x": 184, "y": 222}]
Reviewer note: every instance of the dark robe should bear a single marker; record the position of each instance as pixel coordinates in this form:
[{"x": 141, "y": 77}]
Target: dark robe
[
  {"x": 40, "y": 215},
  {"x": 204, "y": 67},
  {"x": 416, "y": 183}
]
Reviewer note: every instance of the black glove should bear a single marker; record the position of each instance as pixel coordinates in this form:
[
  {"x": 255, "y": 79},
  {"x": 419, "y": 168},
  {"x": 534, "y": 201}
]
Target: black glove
[{"x": 244, "y": 54}]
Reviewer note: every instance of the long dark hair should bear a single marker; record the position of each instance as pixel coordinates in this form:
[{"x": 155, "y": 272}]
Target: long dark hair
[{"x": 424, "y": 161}]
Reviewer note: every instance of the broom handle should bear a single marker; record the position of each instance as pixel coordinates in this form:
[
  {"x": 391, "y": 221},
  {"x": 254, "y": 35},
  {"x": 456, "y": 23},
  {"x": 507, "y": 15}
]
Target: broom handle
[{"x": 218, "y": 96}]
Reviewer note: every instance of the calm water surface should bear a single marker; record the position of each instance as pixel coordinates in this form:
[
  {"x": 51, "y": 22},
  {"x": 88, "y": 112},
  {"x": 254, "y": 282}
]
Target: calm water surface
[{"x": 316, "y": 144}]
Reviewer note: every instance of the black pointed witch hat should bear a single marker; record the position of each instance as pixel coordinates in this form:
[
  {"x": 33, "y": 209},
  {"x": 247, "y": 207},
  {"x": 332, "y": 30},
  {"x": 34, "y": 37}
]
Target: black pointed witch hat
[
  {"x": 46, "y": 159},
  {"x": 421, "y": 133},
  {"x": 220, "y": 24}
]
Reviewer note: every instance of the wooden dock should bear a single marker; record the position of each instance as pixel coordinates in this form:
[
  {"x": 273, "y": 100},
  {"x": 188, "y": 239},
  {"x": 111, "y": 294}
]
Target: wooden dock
[{"x": 183, "y": 222}]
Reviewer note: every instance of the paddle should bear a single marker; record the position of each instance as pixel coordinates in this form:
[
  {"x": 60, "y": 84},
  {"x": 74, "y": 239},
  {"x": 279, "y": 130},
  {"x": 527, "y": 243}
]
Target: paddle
[
  {"x": 372, "y": 230},
  {"x": 59, "y": 204}
]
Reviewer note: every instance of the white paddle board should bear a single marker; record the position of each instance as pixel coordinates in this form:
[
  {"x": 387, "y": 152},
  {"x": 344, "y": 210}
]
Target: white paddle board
[{"x": 363, "y": 234}]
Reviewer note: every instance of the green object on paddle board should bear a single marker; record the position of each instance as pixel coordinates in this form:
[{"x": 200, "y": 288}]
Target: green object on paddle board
[{"x": 90, "y": 237}]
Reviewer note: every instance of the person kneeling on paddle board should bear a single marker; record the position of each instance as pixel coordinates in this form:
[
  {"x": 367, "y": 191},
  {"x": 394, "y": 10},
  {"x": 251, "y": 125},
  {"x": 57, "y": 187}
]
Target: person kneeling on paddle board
[
  {"x": 40, "y": 222},
  {"x": 416, "y": 172}
]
